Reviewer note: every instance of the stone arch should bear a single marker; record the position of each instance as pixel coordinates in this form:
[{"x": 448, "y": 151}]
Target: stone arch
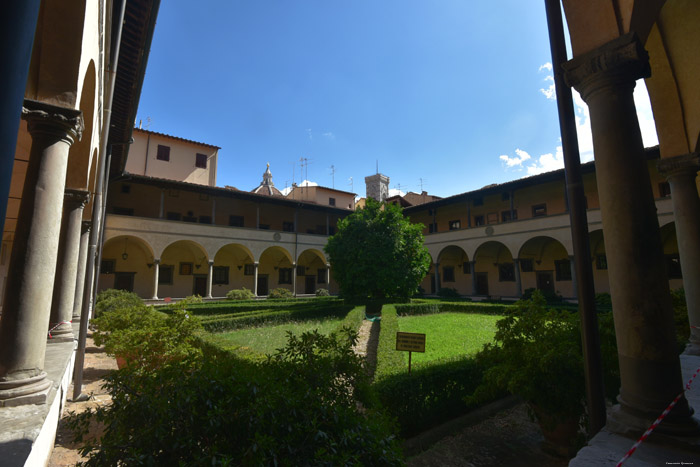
[
  {"x": 545, "y": 264},
  {"x": 127, "y": 263},
  {"x": 493, "y": 270},
  {"x": 275, "y": 269},
  {"x": 311, "y": 275},
  {"x": 58, "y": 45},
  {"x": 233, "y": 257},
  {"x": 455, "y": 270},
  {"x": 79, "y": 159},
  {"x": 184, "y": 269}
]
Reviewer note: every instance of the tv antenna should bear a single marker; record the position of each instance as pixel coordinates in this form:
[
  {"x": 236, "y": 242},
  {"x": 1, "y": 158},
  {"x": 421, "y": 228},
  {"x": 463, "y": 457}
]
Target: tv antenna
[
  {"x": 333, "y": 176},
  {"x": 422, "y": 181},
  {"x": 351, "y": 186}
]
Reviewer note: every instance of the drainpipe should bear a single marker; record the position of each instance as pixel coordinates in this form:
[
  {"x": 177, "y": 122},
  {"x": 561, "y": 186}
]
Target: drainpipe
[
  {"x": 595, "y": 393},
  {"x": 97, "y": 211}
]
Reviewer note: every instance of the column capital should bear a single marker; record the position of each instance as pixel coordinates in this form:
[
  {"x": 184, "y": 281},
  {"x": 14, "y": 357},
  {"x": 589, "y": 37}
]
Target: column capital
[
  {"x": 211, "y": 262},
  {"x": 76, "y": 198},
  {"x": 620, "y": 61},
  {"x": 156, "y": 260},
  {"x": 50, "y": 120},
  {"x": 256, "y": 263},
  {"x": 687, "y": 164}
]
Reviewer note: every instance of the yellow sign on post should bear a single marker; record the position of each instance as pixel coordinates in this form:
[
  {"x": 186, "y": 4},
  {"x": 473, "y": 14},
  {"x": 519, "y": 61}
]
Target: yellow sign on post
[{"x": 411, "y": 342}]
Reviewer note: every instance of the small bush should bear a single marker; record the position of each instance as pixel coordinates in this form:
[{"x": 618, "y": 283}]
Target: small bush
[
  {"x": 240, "y": 294},
  {"x": 552, "y": 298},
  {"x": 322, "y": 293},
  {"x": 603, "y": 302},
  {"x": 447, "y": 292},
  {"x": 112, "y": 299},
  {"x": 280, "y": 293}
]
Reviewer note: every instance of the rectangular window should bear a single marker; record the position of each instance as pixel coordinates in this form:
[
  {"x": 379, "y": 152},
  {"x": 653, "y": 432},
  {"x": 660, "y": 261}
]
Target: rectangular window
[
  {"x": 107, "y": 266},
  {"x": 123, "y": 211},
  {"x": 126, "y": 188},
  {"x": 173, "y": 216},
  {"x": 492, "y": 218},
  {"x": 301, "y": 271},
  {"x": 285, "y": 276},
  {"x": 185, "y": 269},
  {"x": 220, "y": 275},
  {"x": 201, "y": 161},
  {"x": 601, "y": 262},
  {"x": 235, "y": 221},
  {"x": 467, "y": 267},
  {"x": 321, "y": 276},
  {"x": 189, "y": 218},
  {"x": 455, "y": 225},
  {"x": 664, "y": 189},
  {"x": 563, "y": 269},
  {"x": 264, "y": 226},
  {"x": 165, "y": 274},
  {"x": 673, "y": 264},
  {"x": 331, "y": 201},
  {"x": 478, "y": 201},
  {"x": 205, "y": 219},
  {"x": 478, "y": 220},
  {"x": 448, "y": 274},
  {"x": 506, "y": 272},
  {"x": 507, "y": 216},
  {"x": 288, "y": 226},
  {"x": 526, "y": 265},
  {"x": 163, "y": 153},
  {"x": 539, "y": 210},
  {"x": 249, "y": 270}
]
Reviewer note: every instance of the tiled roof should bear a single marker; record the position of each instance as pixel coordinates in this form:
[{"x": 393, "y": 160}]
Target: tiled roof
[{"x": 176, "y": 138}]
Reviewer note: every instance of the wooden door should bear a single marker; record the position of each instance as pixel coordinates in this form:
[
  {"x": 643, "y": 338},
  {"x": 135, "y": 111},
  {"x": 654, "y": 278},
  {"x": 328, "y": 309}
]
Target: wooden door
[
  {"x": 545, "y": 281},
  {"x": 482, "y": 283},
  {"x": 262, "y": 285},
  {"x": 124, "y": 281},
  {"x": 200, "y": 285},
  {"x": 310, "y": 285}
]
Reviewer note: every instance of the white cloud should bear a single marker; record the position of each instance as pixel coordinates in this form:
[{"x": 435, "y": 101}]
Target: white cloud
[
  {"x": 395, "y": 191},
  {"x": 550, "y": 91},
  {"x": 546, "y": 66},
  {"x": 329, "y": 135},
  {"x": 645, "y": 115},
  {"x": 547, "y": 163},
  {"x": 285, "y": 191},
  {"x": 520, "y": 157},
  {"x": 310, "y": 134}
]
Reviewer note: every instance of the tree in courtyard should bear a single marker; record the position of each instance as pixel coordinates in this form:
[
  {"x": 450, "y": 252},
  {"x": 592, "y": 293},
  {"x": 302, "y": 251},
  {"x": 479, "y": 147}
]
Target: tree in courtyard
[{"x": 378, "y": 253}]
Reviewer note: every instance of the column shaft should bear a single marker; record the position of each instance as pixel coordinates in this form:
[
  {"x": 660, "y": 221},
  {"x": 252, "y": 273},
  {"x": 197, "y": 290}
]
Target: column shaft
[
  {"x": 161, "y": 211},
  {"x": 472, "y": 264},
  {"x": 67, "y": 265},
  {"x": 574, "y": 281},
  {"x": 328, "y": 277},
  {"x": 156, "y": 273},
  {"x": 82, "y": 265},
  {"x": 255, "y": 279},
  {"x": 681, "y": 172},
  {"x": 210, "y": 278},
  {"x": 436, "y": 277},
  {"x": 649, "y": 365},
  {"x": 27, "y": 304},
  {"x": 518, "y": 284},
  {"x": 294, "y": 278}
]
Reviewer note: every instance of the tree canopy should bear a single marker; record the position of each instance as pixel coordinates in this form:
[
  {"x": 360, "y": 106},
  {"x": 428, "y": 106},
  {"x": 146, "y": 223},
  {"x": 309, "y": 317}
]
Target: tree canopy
[{"x": 378, "y": 253}]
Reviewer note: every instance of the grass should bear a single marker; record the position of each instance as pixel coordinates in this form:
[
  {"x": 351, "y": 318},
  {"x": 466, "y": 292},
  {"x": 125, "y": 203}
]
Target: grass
[
  {"x": 267, "y": 339},
  {"x": 449, "y": 335}
]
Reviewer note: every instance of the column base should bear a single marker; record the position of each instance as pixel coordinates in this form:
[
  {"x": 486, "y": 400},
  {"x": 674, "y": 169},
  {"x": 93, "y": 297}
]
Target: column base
[
  {"x": 626, "y": 423},
  {"x": 693, "y": 347},
  {"x": 62, "y": 333},
  {"x": 34, "y": 390}
]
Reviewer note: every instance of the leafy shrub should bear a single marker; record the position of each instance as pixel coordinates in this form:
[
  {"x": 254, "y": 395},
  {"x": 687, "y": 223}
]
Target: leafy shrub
[
  {"x": 280, "y": 292},
  {"x": 447, "y": 292},
  {"x": 322, "y": 292},
  {"x": 240, "y": 294},
  {"x": 266, "y": 317},
  {"x": 551, "y": 298},
  {"x": 537, "y": 355},
  {"x": 111, "y": 299},
  {"x": 433, "y": 306},
  {"x": 297, "y": 408},
  {"x": 389, "y": 361},
  {"x": 603, "y": 302}
]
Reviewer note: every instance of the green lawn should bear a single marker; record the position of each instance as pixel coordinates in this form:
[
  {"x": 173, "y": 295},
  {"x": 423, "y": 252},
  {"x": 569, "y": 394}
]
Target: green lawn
[
  {"x": 449, "y": 334},
  {"x": 267, "y": 339}
]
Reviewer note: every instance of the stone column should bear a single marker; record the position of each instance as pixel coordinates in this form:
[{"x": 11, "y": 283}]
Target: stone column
[
  {"x": 67, "y": 265},
  {"x": 257, "y": 217},
  {"x": 681, "y": 172},
  {"x": 574, "y": 282},
  {"x": 156, "y": 273},
  {"x": 255, "y": 279},
  {"x": 649, "y": 365},
  {"x": 472, "y": 265},
  {"x": 518, "y": 284},
  {"x": 328, "y": 276},
  {"x": 27, "y": 304},
  {"x": 210, "y": 278},
  {"x": 436, "y": 277},
  {"x": 161, "y": 211},
  {"x": 328, "y": 225},
  {"x": 294, "y": 278},
  {"x": 82, "y": 264}
]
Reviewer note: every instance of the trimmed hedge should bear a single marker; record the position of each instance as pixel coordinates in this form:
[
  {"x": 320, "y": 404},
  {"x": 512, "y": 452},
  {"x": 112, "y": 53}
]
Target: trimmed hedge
[
  {"x": 223, "y": 323},
  {"x": 389, "y": 361},
  {"x": 432, "y": 395},
  {"x": 433, "y": 307}
]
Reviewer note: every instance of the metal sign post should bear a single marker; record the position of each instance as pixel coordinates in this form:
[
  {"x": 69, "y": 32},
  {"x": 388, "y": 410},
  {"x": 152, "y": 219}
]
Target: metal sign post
[{"x": 410, "y": 342}]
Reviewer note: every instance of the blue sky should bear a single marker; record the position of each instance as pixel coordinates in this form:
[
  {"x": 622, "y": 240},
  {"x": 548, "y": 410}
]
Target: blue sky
[{"x": 453, "y": 92}]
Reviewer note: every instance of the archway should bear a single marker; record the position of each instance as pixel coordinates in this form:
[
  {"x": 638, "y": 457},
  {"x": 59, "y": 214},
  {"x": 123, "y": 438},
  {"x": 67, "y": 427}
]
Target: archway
[
  {"x": 545, "y": 265},
  {"x": 232, "y": 267},
  {"x": 127, "y": 264},
  {"x": 455, "y": 270},
  {"x": 311, "y": 272},
  {"x": 184, "y": 270},
  {"x": 275, "y": 270},
  {"x": 494, "y": 271}
]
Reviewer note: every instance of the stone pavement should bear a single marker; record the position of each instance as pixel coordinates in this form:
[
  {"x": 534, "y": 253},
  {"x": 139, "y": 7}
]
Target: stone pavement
[{"x": 97, "y": 365}]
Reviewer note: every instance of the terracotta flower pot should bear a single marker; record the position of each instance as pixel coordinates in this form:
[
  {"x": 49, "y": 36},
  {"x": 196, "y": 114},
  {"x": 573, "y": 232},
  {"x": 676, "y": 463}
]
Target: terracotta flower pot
[{"x": 560, "y": 433}]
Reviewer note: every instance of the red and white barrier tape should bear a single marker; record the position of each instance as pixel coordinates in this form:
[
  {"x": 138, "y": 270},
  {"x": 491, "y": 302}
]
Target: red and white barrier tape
[
  {"x": 657, "y": 421},
  {"x": 62, "y": 322}
]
